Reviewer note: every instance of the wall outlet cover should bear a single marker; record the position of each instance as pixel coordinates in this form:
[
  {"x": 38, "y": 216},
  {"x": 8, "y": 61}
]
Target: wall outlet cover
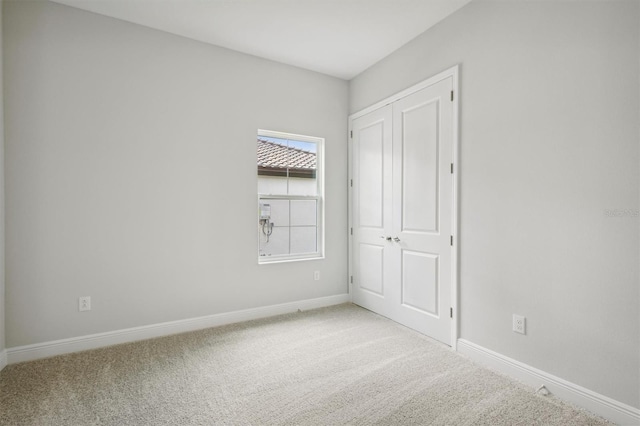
[
  {"x": 519, "y": 324},
  {"x": 84, "y": 303}
]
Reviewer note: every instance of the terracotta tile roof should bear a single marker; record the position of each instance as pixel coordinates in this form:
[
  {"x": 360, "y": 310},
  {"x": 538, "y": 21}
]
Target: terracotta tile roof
[{"x": 275, "y": 156}]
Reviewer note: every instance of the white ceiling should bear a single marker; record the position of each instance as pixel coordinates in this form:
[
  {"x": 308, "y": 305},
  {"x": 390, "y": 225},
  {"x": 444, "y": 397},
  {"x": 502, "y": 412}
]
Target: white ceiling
[{"x": 337, "y": 37}]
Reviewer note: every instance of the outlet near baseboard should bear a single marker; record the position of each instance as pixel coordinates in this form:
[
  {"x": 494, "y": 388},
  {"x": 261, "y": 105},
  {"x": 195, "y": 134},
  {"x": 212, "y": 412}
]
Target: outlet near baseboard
[
  {"x": 519, "y": 324},
  {"x": 84, "y": 303}
]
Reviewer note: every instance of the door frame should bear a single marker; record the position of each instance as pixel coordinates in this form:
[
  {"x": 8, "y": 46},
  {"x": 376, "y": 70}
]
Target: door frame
[{"x": 452, "y": 73}]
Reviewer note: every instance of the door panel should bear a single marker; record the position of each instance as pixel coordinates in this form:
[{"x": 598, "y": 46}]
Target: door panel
[
  {"x": 371, "y": 278},
  {"x": 420, "y": 281},
  {"x": 370, "y": 155},
  {"x": 419, "y": 150}
]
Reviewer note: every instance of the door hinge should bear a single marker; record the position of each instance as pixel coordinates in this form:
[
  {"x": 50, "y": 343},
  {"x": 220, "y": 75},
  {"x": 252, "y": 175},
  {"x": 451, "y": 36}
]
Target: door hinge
[
  {"x": 351, "y": 134},
  {"x": 452, "y": 240},
  {"x": 351, "y": 182},
  {"x": 451, "y": 312},
  {"x": 452, "y": 96},
  {"x": 451, "y": 168},
  {"x": 351, "y": 279},
  {"x": 351, "y": 231}
]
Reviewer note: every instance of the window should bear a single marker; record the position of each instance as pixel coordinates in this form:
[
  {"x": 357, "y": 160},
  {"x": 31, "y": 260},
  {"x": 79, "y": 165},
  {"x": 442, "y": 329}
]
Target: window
[{"x": 290, "y": 196}]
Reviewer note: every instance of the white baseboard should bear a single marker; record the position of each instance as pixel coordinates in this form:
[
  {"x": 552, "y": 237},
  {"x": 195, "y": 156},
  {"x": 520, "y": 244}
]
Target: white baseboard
[
  {"x": 94, "y": 341},
  {"x": 594, "y": 402},
  {"x": 3, "y": 359}
]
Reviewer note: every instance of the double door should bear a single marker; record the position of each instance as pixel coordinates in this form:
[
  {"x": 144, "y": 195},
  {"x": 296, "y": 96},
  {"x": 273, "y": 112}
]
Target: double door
[{"x": 402, "y": 208}]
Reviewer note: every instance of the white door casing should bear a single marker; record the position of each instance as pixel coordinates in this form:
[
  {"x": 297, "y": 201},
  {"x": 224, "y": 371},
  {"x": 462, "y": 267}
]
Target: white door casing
[{"x": 403, "y": 207}]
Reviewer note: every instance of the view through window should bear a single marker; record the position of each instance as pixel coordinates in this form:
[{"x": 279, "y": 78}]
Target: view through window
[{"x": 289, "y": 196}]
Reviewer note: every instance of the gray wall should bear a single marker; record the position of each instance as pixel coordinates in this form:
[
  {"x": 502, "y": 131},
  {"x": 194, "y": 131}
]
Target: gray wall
[
  {"x": 120, "y": 143},
  {"x": 2, "y": 308},
  {"x": 549, "y": 142}
]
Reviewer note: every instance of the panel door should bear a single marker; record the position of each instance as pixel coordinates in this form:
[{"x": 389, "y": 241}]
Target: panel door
[
  {"x": 372, "y": 209},
  {"x": 402, "y": 201},
  {"x": 422, "y": 209}
]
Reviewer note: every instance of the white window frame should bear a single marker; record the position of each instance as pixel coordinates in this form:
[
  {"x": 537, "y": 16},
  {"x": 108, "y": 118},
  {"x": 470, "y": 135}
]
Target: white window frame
[{"x": 319, "y": 198}]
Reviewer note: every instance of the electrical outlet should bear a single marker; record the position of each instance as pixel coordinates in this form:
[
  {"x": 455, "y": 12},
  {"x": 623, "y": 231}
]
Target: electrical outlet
[
  {"x": 519, "y": 324},
  {"x": 84, "y": 303},
  {"x": 316, "y": 275}
]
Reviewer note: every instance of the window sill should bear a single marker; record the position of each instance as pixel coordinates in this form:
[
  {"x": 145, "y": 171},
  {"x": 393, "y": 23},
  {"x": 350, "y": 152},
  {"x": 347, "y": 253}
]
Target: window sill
[{"x": 265, "y": 260}]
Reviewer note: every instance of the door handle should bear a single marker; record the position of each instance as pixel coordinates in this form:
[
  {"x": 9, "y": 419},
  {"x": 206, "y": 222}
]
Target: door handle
[
  {"x": 385, "y": 238},
  {"x": 396, "y": 239}
]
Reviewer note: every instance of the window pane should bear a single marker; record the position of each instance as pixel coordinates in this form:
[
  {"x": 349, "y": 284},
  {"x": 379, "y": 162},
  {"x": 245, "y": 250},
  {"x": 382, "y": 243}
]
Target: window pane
[
  {"x": 275, "y": 244},
  {"x": 303, "y": 168},
  {"x": 272, "y": 185},
  {"x": 279, "y": 212},
  {"x": 273, "y": 165},
  {"x": 303, "y": 212},
  {"x": 273, "y": 227},
  {"x": 287, "y": 227},
  {"x": 303, "y": 239}
]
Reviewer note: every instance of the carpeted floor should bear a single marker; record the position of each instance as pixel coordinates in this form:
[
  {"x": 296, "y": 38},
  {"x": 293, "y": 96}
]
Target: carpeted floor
[{"x": 331, "y": 366}]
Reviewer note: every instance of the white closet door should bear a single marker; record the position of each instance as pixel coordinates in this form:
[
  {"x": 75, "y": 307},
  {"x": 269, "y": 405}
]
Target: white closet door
[
  {"x": 422, "y": 209},
  {"x": 402, "y": 201},
  {"x": 372, "y": 210}
]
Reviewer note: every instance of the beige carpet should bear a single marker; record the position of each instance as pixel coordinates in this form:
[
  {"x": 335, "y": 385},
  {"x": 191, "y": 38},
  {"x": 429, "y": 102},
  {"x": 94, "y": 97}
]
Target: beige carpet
[{"x": 331, "y": 366}]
